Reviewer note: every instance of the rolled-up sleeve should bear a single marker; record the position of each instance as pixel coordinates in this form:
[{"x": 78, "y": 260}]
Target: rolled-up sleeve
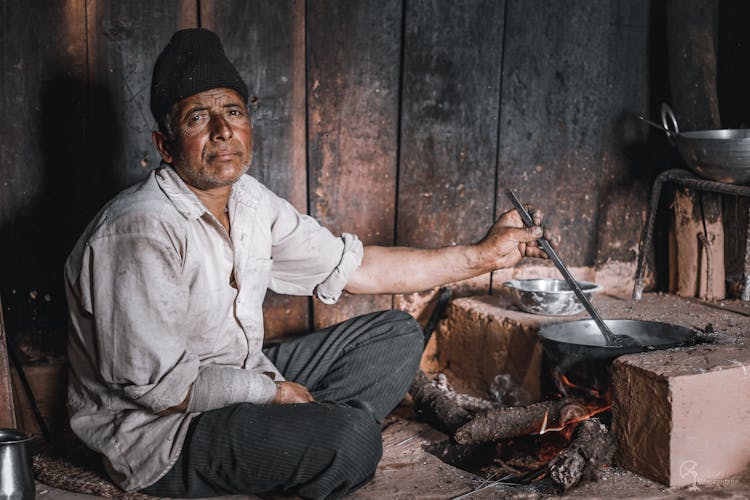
[
  {"x": 308, "y": 259},
  {"x": 138, "y": 301},
  {"x": 331, "y": 288}
]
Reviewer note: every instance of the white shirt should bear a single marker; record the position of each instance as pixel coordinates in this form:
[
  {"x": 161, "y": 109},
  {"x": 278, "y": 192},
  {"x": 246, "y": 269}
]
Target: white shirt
[{"x": 158, "y": 291}]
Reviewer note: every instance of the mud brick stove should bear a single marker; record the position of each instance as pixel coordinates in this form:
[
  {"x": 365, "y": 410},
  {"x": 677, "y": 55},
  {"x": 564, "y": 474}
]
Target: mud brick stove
[{"x": 678, "y": 416}]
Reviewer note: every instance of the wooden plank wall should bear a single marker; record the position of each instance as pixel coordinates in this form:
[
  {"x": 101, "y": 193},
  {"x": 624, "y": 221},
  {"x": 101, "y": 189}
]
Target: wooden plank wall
[
  {"x": 552, "y": 111},
  {"x": 266, "y": 40},
  {"x": 449, "y": 123},
  {"x": 353, "y": 88},
  {"x": 44, "y": 161},
  {"x": 398, "y": 120}
]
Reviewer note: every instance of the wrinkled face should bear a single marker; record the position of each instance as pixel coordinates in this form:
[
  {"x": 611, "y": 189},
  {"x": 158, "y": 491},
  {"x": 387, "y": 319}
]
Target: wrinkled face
[{"x": 211, "y": 143}]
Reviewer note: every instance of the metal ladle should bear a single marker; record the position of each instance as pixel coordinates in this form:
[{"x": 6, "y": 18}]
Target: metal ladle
[{"x": 610, "y": 338}]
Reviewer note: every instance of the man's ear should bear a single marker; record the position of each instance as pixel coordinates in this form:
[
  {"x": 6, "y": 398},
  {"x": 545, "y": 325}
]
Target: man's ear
[{"x": 162, "y": 145}]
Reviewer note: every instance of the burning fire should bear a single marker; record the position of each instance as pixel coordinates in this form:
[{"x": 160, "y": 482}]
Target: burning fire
[
  {"x": 574, "y": 412},
  {"x": 566, "y": 383}
]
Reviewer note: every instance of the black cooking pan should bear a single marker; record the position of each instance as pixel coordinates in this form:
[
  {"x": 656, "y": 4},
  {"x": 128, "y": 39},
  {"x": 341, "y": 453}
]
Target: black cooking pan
[{"x": 575, "y": 341}]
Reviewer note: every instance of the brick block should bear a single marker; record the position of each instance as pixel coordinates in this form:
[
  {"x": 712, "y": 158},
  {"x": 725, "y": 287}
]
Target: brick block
[
  {"x": 681, "y": 417},
  {"x": 482, "y": 337}
]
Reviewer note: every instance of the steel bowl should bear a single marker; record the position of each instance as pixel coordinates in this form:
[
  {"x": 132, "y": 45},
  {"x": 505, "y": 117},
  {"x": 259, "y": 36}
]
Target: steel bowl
[
  {"x": 719, "y": 155},
  {"x": 548, "y": 296}
]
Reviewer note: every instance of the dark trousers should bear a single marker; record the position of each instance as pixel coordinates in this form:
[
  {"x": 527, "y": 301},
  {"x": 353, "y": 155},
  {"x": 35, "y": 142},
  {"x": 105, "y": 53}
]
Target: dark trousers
[{"x": 357, "y": 371}]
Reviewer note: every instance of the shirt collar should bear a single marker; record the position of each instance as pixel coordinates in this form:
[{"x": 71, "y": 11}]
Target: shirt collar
[
  {"x": 184, "y": 200},
  {"x": 245, "y": 191}
]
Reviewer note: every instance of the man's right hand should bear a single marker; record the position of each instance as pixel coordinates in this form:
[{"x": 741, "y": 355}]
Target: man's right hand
[{"x": 291, "y": 392}]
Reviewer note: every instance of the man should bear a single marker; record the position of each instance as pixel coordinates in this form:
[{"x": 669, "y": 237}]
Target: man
[{"x": 169, "y": 379}]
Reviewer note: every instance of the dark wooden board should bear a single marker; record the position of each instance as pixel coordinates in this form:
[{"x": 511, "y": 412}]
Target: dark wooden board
[
  {"x": 736, "y": 224},
  {"x": 629, "y": 164},
  {"x": 692, "y": 37},
  {"x": 734, "y": 101},
  {"x": 449, "y": 112},
  {"x": 49, "y": 385},
  {"x": 43, "y": 164},
  {"x": 353, "y": 76},
  {"x": 266, "y": 41},
  {"x": 553, "y": 108},
  {"x": 124, "y": 40}
]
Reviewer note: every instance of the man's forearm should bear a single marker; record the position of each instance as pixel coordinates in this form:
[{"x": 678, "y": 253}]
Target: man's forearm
[{"x": 404, "y": 270}]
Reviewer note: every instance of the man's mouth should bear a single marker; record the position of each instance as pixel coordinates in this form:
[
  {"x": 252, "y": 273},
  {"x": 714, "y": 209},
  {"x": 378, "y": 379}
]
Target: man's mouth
[{"x": 224, "y": 155}]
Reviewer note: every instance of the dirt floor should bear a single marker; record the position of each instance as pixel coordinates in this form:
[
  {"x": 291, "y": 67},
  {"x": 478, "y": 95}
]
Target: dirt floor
[{"x": 410, "y": 470}]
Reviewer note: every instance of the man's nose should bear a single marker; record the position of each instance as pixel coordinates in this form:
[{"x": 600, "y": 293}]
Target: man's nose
[{"x": 221, "y": 130}]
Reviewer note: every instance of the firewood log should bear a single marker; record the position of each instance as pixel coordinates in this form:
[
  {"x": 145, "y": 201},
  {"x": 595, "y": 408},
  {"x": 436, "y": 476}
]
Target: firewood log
[
  {"x": 472, "y": 404},
  {"x": 592, "y": 447},
  {"x": 435, "y": 406},
  {"x": 503, "y": 423}
]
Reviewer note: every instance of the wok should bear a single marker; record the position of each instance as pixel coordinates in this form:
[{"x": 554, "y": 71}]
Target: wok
[
  {"x": 721, "y": 155},
  {"x": 571, "y": 342}
]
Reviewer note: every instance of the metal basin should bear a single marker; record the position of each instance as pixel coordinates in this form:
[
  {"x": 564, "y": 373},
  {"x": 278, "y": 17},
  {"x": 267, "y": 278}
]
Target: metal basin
[
  {"x": 721, "y": 155},
  {"x": 549, "y": 297},
  {"x": 718, "y": 155}
]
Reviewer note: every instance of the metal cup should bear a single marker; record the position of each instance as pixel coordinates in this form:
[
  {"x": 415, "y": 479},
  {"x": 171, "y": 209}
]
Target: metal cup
[{"x": 16, "y": 478}]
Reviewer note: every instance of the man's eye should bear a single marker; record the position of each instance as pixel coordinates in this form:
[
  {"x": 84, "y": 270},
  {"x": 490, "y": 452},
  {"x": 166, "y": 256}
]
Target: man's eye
[{"x": 235, "y": 112}]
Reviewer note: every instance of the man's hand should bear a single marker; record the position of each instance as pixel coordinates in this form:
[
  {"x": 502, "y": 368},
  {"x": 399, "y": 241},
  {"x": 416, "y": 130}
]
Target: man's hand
[
  {"x": 291, "y": 392},
  {"x": 508, "y": 240}
]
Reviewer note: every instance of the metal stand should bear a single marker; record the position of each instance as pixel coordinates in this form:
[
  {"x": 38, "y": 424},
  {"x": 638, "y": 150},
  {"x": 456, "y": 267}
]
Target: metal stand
[{"x": 684, "y": 178}]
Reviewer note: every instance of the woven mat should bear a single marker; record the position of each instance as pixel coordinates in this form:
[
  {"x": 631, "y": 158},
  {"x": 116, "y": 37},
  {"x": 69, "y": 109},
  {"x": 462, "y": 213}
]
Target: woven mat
[{"x": 73, "y": 467}]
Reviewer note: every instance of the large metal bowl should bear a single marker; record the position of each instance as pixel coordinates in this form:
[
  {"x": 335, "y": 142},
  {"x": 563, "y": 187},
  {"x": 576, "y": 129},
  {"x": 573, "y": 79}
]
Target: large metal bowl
[
  {"x": 549, "y": 297},
  {"x": 718, "y": 155},
  {"x": 721, "y": 155}
]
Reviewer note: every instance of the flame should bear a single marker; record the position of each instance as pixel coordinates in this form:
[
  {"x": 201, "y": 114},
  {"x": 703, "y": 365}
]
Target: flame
[
  {"x": 544, "y": 423},
  {"x": 567, "y": 427},
  {"x": 572, "y": 414},
  {"x": 593, "y": 392}
]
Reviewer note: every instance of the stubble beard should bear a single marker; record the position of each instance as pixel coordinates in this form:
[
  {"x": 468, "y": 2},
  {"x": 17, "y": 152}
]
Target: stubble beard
[{"x": 204, "y": 180}]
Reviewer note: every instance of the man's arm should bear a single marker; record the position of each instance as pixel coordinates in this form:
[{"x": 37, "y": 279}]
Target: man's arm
[
  {"x": 404, "y": 270},
  {"x": 286, "y": 393}
]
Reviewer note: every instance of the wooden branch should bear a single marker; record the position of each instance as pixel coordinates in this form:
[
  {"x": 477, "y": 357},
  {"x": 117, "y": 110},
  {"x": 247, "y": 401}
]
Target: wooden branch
[
  {"x": 7, "y": 413},
  {"x": 592, "y": 447},
  {"x": 433, "y": 404},
  {"x": 502, "y": 423}
]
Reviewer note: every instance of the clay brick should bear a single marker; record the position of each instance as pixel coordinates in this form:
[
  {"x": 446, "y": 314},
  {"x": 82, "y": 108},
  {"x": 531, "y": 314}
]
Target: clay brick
[
  {"x": 483, "y": 337},
  {"x": 681, "y": 416}
]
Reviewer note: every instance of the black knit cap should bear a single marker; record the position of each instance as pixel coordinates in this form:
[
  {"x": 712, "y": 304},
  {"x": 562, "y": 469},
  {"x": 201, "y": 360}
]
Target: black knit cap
[{"x": 193, "y": 61}]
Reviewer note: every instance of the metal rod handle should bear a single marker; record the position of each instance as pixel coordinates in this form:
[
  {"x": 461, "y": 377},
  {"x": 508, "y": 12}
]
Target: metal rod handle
[{"x": 547, "y": 247}]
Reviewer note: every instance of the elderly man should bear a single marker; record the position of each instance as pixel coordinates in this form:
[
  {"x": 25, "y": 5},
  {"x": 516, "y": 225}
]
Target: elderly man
[{"x": 170, "y": 381}]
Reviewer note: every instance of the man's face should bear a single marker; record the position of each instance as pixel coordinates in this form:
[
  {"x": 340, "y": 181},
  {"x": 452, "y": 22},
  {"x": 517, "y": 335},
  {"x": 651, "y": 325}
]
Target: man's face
[{"x": 212, "y": 139}]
